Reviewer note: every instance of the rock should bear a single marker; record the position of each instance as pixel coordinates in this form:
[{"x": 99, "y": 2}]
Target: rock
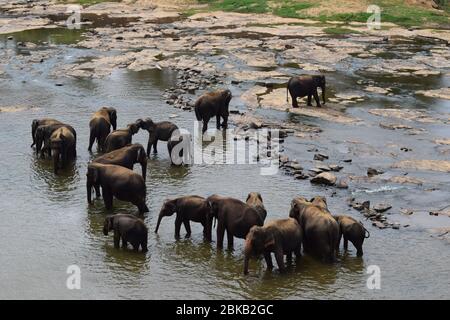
[
  {"x": 379, "y": 225},
  {"x": 405, "y": 149},
  {"x": 361, "y": 206},
  {"x": 396, "y": 226},
  {"x": 320, "y": 156},
  {"x": 373, "y": 172},
  {"x": 234, "y": 111},
  {"x": 347, "y": 160},
  {"x": 58, "y": 84},
  {"x": 433, "y": 213},
  {"x": 314, "y": 171},
  {"x": 382, "y": 207},
  {"x": 325, "y": 178},
  {"x": 335, "y": 167},
  {"x": 342, "y": 184},
  {"x": 443, "y": 93},
  {"x": 171, "y": 116},
  {"x": 323, "y": 168},
  {"x": 424, "y": 165},
  {"x": 10, "y": 38},
  {"x": 407, "y": 212},
  {"x": 119, "y": 38},
  {"x": 300, "y": 176},
  {"x": 284, "y": 159},
  {"x": 294, "y": 166}
]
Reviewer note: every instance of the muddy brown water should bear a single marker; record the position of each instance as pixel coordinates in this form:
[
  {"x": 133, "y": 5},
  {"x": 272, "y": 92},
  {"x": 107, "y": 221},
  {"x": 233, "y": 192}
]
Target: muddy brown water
[{"x": 48, "y": 225}]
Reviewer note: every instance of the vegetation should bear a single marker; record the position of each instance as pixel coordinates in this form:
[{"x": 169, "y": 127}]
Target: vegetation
[{"x": 395, "y": 11}]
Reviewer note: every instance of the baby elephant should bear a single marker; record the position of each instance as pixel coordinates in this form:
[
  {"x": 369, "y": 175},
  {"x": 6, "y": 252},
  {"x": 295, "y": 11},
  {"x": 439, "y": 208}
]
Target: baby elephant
[
  {"x": 129, "y": 228},
  {"x": 281, "y": 236},
  {"x": 188, "y": 208},
  {"x": 352, "y": 231},
  {"x": 121, "y": 137}
]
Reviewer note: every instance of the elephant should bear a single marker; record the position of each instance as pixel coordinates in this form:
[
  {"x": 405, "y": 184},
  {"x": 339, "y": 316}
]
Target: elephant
[
  {"x": 129, "y": 228},
  {"x": 41, "y": 122},
  {"x": 188, "y": 208},
  {"x": 320, "y": 229},
  {"x": 233, "y": 216},
  {"x": 63, "y": 147},
  {"x": 352, "y": 231},
  {"x": 213, "y": 104},
  {"x": 116, "y": 181},
  {"x": 157, "y": 131},
  {"x": 320, "y": 202},
  {"x": 43, "y": 134},
  {"x": 120, "y": 138},
  {"x": 305, "y": 86},
  {"x": 126, "y": 157},
  {"x": 100, "y": 126},
  {"x": 255, "y": 201},
  {"x": 281, "y": 236}
]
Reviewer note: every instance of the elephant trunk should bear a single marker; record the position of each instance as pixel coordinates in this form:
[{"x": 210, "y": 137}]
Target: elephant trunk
[
  {"x": 247, "y": 253},
  {"x": 208, "y": 229},
  {"x": 323, "y": 93},
  {"x": 159, "y": 221},
  {"x": 55, "y": 155},
  {"x": 144, "y": 168}
]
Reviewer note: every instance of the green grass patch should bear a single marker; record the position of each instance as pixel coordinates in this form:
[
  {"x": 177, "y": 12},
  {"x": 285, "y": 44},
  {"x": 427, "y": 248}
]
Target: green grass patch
[
  {"x": 243, "y": 6},
  {"x": 339, "y": 31},
  {"x": 290, "y": 9}
]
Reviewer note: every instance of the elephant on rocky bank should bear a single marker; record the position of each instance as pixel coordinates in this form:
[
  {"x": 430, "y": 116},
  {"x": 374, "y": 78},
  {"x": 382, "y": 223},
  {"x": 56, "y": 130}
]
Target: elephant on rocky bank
[{"x": 302, "y": 86}]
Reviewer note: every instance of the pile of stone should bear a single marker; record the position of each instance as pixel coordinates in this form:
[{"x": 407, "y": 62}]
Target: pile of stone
[{"x": 374, "y": 214}]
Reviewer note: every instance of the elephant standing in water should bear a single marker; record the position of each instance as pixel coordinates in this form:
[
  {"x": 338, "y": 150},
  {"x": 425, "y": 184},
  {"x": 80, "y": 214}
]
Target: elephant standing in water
[
  {"x": 281, "y": 236},
  {"x": 213, "y": 104},
  {"x": 305, "y": 86},
  {"x": 116, "y": 181},
  {"x": 63, "y": 147},
  {"x": 129, "y": 228},
  {"x": 120, "y": 138},
  {"x": 126, "y": 157},
  {"x": 320, "y": 230},
  {"x": 188, "y": 208},
  {"x": 41, "y": 122},
  {"x": 352, "y": 231},
  {"x": 43, "y": 134},
  {"x": 157, "y": 131},
  {"x": 233, "y": 216},
  {"x": 254, "y": 200},
  {"x": 100, "y": 126}
]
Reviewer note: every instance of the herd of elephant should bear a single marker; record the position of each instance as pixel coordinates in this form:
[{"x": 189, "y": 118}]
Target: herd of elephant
[{"x": 309, "y": 223}]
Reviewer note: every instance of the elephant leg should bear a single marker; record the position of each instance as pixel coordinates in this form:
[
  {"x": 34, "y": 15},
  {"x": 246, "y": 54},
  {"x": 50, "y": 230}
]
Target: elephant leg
[
  {"x": 268, "y": 259},
  {"x": 107, "y": 198},
  {"x": 294, "y": 101},
  {"x": 280, "y": 261},
  {"x": 230, "y": 240},
  {"x": 97, "y": 191},
  {"x": 124, "y": 242},
  {"x": 309, "y": 100},
  {"x": 178, "y": 222},
  {"x": 220, "y": 235},
  {"x": 116, "y": 240},
  {"x": 316, "y": 97},
  {"x": 338, "y": 242},
  {"x": 91, "y": 140},
  {"x": 205, "y": 125},
  {"x": 345, "y": 243},
  {"x": 358, "y": 245},
  {"x": 155, "y": 143},
  {"x": 141, "y": 206},
  {"x": 218, "y": 122},
  {"x": 298, "y": 252},
  {"x": 149, "y": 147},
  {"x": 289, "y": 257},
  {"x": 187, "y": 226},
  {"x": 144, "y": 245}
]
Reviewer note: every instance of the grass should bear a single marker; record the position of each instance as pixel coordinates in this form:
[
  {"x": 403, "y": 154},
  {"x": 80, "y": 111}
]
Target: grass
[
  {"x": 395, "y": 11},
  {"x": 339, "y": 30},
  {"x": 87, "y": 2}
]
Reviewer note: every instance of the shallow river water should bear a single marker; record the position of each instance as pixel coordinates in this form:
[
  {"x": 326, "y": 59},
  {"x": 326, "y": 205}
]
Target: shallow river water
[{"x": 47, "y": 224}]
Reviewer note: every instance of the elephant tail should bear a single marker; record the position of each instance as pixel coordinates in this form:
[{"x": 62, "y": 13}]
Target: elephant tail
[
  {"x": 287, "y": 90},
  {"x": 366, "y": 233},
  {"x": 197, "y": 112}
]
